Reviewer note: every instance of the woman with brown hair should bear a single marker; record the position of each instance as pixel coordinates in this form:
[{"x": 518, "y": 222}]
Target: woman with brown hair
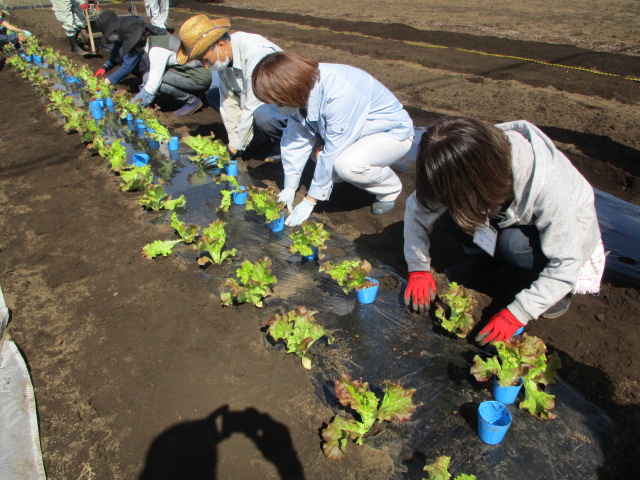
[
  {"x": 357, "y": 127},
  {"x": 525, "y": 205}
]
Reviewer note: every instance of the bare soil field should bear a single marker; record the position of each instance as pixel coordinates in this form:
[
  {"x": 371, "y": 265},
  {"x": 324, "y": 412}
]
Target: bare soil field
[{"x": 137, "y": 369}]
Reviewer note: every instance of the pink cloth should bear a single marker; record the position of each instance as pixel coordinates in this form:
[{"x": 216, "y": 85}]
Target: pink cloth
[{"x": 591, "y": 272}]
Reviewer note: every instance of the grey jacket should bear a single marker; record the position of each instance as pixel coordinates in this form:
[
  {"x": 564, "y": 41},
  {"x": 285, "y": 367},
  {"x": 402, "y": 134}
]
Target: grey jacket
[{"x": 549, "y": 193}]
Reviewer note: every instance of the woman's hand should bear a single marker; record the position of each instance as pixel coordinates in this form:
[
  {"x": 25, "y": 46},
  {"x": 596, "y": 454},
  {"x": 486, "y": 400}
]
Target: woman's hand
[
  {"x": 420, "y": 291},
  {"x": 501, "y": 327}
]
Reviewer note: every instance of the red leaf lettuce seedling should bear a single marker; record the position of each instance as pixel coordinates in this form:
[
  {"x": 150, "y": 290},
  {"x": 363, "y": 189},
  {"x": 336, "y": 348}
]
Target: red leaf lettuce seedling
[
  {"x": 397, "y": 404},
  {"x": 461, "y": 304},
  {"x": 310, "y": 234},
  {"x": 256, "y": 280},
  {"x": 439, "y": 470},
  {"x": 298, "y": 330},
  {"x": 350, "y": 274}
]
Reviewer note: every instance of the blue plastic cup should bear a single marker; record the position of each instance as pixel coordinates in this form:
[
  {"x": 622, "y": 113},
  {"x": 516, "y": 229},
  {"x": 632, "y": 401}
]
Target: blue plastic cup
[
  {"x": 506, "y": 395},
  {"x": 493, "y": 422},
  {"x": 71, "y": 79},
  {"x": 368, "y": 295},
  {"x": 129, "y": 117},
  {"x": 519, "y": 331},
  {"x": 232, "y": 171},
  {"x": 155, "y": 144},
  {"x": 239, "y": 198},
  {"x": 97, "y": 113},
  {"x": 174, "y": 144},
  {"x": 140, "y": 159},
  {"x": 37, "y": 59},
  {"x": 276, "y": 225},
  {"x": 314, "y": 254},
  {"x": 95, "y": 104},
  {"x": 110, "y": 105}
]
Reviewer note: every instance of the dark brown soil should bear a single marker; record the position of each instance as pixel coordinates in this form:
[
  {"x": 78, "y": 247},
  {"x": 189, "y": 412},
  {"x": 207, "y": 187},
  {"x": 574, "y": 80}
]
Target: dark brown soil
[{"x": 135, "y": 363}]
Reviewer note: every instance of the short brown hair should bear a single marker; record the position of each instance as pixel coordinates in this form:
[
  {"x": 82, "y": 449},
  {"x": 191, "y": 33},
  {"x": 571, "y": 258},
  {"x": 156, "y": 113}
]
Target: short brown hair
[
  {"x": 464, "y": 165},
  {"x": 285, "y": 79}
]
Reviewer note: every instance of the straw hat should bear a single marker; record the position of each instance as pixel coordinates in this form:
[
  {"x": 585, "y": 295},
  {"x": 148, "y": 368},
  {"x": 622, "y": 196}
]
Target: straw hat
[{"x": 198, "y": 34}]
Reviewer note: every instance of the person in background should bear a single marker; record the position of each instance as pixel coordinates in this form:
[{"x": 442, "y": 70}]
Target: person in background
[
  {"x": 233, "y": 57},
  {"x": 10, "y": 33},
  {"x": 70, "y": 13},
  {"x": 526, "y": 207},
  {"x": 158, "y": 12},
  {"x": 361, "y": 128},
  {"x": 136, "y": 63},
  {"x": 164, "y": 74}
]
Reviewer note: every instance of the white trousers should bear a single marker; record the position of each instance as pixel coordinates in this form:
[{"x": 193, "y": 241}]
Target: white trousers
[
  {"x": 365, "y": 164},
  {"x": 70, "y": 15},
  {"x": 158, "y": 12}
]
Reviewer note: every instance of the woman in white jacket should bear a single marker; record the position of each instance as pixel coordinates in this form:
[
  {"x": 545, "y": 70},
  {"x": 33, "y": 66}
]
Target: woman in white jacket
[
  {"x": 525, "y": 205},
  {"x": 355, "y": 124}
]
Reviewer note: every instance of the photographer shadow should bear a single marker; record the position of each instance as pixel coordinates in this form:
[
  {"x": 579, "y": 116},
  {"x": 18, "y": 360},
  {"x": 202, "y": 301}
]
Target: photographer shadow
[{"x": 189, "y": 449}]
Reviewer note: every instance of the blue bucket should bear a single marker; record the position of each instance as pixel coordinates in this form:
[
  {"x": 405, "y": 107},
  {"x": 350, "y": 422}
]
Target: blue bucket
[
  {"x": 314, "y": 254},
  {"x": 174, "y": 144},
  {"x": 232, "y": 170},
  {"x": 276, "y": 225},
  {"x": 493, "y": 422},
  {"x": 140, "y": 159},
  {"x": 506, "y": 395},
  {"x": 239, "y": 198},
  {"x": 368, "y": 295}
]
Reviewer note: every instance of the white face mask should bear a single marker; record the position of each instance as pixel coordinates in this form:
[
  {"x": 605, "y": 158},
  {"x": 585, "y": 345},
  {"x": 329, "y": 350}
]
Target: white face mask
[
  {"x": 287, "y": 110},
  {"x": 218, "y": 65}
]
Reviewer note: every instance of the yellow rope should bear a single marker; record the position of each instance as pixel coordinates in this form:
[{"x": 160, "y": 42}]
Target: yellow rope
[{"x": 428, "y": 45}]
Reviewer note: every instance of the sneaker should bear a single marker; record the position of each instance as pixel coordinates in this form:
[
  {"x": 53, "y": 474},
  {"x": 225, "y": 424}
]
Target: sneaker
[
  {"x": 559, "y": 308},
  {"x": 273, "y": 159},
  {"x": 379, "y": 207},
  {"x": 188, "y": 108}
]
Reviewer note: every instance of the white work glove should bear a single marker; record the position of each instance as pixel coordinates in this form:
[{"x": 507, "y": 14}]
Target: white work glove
[
  {"x": 286, "y": 196},
  {"x": 300, "y": 213},
  {"x": 26, "y": 33}
]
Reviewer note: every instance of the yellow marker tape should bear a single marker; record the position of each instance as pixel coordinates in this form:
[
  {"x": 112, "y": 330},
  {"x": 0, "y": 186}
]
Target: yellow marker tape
[{"x": 428, "y": 45}]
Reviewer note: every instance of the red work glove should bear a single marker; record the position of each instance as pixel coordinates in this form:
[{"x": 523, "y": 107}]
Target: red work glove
[
  {"x": 100, "y": 72},
  {"x": 84, "y": 6},
  {"x": 421, "y": 290},
  {"x": 501, "y": 327}
]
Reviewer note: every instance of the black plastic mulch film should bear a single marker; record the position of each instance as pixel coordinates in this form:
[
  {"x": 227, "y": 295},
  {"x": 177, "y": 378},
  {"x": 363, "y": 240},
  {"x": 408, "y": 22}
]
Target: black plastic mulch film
[{"x": 384, "y": 341}]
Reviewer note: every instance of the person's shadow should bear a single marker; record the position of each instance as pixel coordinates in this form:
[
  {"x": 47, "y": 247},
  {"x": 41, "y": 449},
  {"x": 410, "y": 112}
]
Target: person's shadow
[{"x": 188, "y": 450}]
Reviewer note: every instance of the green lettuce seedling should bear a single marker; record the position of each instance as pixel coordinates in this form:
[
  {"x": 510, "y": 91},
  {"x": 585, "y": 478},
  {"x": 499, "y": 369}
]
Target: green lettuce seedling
[
  {"x": 225, "y": 203},
  {"x": 264, "y": 201},
  {"x": 153, "y": 197},
  {"x": 116, "y": 154},
  {"x": 397, "y": 404},
  {"x": 298, "y": 330},
  {"x": 207, "y": 148},
  {"x": 461, "y": 304},
  {"x": 310, "y": 234},
  {"x": 160, "y": 132},
  {"x": 159, "y": 247},
  {"x": 523, "y": 356},
  {"x": 136, "y": 178},
  {"x": 255, "y": 283},
  {"x": 173, "y": 203},
  {"x": 350, "y": 274},
  {"x": 439, "y": 470},
  {"x": 212, "y": 241},
  {"x": 188, "y": 233}
]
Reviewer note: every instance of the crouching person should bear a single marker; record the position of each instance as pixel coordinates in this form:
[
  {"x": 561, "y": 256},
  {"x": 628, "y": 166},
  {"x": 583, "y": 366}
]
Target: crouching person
[
  {"x": 520, "y": 204},
  {"x": 233, "y": 57}
]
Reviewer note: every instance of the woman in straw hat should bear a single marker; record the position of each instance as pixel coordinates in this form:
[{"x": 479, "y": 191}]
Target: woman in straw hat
[
  {"x": 233, "y": 57},
  {"x": 361, "y": 126}
]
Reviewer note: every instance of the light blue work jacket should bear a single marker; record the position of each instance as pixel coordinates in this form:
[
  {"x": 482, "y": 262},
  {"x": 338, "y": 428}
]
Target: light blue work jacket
[{"x": 345, "y": 105}]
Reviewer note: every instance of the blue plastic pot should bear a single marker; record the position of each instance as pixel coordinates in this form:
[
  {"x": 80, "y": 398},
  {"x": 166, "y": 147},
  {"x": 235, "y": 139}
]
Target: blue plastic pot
[
  {"x": 314, "y": 254},
  {"x": 276, "y": 225},
  {"x": 129, "y": 117},
  {"x": 239, "y": 198},
  {"x": 506, "y": 395},
  {"x": 140, "y": 159},
  {"x": 174, "y": 144},
  {"x": 493, "y": 422},
  {"x": 37, "y": 59},
  {"x": 368, "y": 295},
  {"x": 232, "y": 170},
  {"x": 97, "y": 113},
  {"x": 111, "y": 106},
  {"x": 71, "y": 79},
  {"x": 155, "y": 144},
  {"x": 519, "y": 331}
]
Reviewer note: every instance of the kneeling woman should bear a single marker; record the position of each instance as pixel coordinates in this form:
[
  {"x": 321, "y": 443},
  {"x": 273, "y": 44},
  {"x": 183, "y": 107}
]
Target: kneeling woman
[
  {"x": 523, "y": 202},
  {"x": 360, "y": 126}
]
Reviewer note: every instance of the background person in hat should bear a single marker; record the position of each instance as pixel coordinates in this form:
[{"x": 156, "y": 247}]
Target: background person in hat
[
  {"x": 361, "y": 125},
  {"x": 131, "y": 63},
  {"x": 522, "y": 200},
  {"x": 10, "y": 33},
  {"x": 164, "y": 74},
  {"x": 70, "y": 13},
  {"x": 233, "y": 57}
]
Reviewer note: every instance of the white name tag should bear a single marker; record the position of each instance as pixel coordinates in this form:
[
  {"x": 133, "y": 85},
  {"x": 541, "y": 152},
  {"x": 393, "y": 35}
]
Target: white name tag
[{"x": 486, "y": 238}]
